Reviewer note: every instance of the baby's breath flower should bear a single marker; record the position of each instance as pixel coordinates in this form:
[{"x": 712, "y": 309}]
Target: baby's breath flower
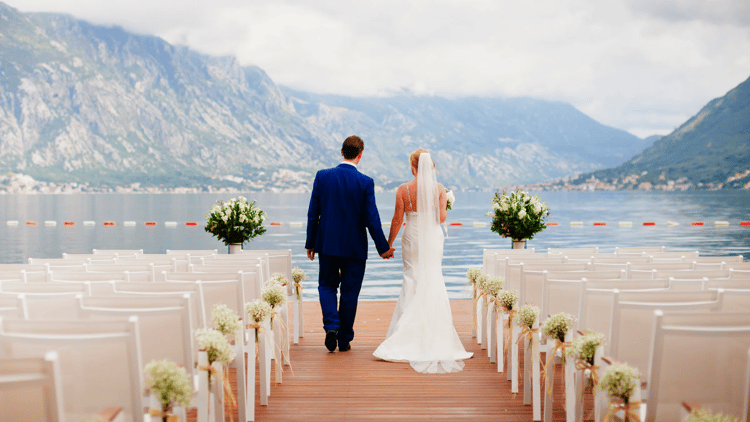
[
  {"x": 473, "y": 273},
  {"x": 706, "y": 415},
  {"x": 216, "y": 345},
  {"x": 508, "y": 299},
  {"x": 258, "y": 310},
  {"x": 225, "y": 320},
  {"x": 492, "y": 285},
  {"x": 278, "y": 278},
  {"x": 298, "y": 274},
  {"x": 584, "y": 347},
  {"x": 274, "y": 294},
  {"x": 170, "y": 383},
  {"x": 527, "y": 315},
  {"x": 556, "y": 326},
  {"x": 619, "y": 381}
]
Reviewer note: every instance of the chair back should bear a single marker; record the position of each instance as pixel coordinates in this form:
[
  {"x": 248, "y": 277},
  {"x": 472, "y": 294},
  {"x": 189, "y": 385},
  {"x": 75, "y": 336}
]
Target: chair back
[{"x": 31, "y": 389}]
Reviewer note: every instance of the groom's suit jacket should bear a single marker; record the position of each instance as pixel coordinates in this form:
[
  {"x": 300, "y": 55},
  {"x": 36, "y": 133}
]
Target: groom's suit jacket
[{"x": 342, "y": 205}]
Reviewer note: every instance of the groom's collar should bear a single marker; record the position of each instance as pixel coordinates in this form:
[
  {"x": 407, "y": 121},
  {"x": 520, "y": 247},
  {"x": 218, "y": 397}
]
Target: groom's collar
[{"x": 349, "y": 163}]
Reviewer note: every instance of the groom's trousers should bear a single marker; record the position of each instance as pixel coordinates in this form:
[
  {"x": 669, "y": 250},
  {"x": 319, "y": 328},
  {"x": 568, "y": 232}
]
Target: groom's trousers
[{"x": 345, "y": 274}]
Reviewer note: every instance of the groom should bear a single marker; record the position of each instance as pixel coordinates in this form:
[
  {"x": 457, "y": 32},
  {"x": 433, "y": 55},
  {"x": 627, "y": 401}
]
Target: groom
[{"x": 342, "y": 205}]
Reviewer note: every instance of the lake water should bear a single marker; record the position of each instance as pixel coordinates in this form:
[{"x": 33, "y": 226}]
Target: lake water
[{"x": 463, "y": 247}]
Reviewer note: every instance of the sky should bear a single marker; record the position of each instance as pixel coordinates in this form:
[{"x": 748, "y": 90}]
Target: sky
[{"x": 644, "y": 66}]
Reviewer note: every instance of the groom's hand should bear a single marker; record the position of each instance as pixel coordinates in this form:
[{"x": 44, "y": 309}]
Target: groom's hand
[
  {"x": 311, "y": 254},
  {"x": 388, "y": 254}
]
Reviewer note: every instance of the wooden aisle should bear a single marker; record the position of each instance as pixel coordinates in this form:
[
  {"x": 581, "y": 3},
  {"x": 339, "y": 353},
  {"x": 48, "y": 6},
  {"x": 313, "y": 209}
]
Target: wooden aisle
[{"x": 354, "y": 386}]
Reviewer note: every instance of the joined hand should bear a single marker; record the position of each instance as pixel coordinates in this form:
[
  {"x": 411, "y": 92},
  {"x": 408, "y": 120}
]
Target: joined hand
[{"x": 388, "y": 254}]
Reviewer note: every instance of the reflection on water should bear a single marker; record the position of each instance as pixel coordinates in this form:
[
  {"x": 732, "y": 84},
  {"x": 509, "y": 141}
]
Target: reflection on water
[{"x": 463, "y": 247}]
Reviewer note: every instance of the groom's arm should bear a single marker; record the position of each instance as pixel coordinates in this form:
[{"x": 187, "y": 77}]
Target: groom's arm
[
  {"x": 313, "y": 220},
  {"x": 372, "y": 221}
]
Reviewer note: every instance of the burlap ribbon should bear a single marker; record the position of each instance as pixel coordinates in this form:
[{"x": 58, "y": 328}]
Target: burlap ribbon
[
  {"x": 561, "y": 346},
  {"x": 283, "y": 328},
  {"x": 258, "y": 330},
  {"x": 630, "y": 410},
  {"x": 298, "y": 287},
  {"x": 475, "y": 298},
  {"x": 582, "y": 366},
  {"x": 159, "y": 414},
  {"x": 227, "y": 386},
  {"x": 511, "y": 313}
]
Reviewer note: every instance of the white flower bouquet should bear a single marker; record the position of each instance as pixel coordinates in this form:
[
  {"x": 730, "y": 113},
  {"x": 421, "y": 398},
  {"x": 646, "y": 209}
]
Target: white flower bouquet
[
  {"x": 556, "y": 326},
  {"x": 706, "y": 415},
  {"x": 278, "y": 279},
  {"x": 584, "y": 347},
  {"x": 274, "y": 294},
  {"x": 216, "y": 346},
  {"x": 518, "y": 215},
  {"x": 236, "y": 221},
  {"x": 225, "y": 320},
  {"x": 508, "y": 299},
  {"x": 492, "y": 285},
  {"x": 527, "y": 315},
  {"x": 619, "y": 381},
  {"x": 170, "y": 383},
  {"x": 298, "y": 275},
  {"x": 451, "y": 199},
  {"x": 258, "y": 310}
]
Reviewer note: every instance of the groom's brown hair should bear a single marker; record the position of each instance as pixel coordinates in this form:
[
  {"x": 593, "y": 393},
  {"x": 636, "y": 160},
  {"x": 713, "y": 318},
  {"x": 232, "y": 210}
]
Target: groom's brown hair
[{"x": 353, "y": 145}]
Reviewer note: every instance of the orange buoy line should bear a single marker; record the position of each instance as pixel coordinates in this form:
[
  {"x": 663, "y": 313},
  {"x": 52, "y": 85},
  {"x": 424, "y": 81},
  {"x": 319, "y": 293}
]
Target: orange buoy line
[
  {"x": 599, "y": 223},
  {"x": 745, "y": 223},
  {"x": 69, "y": 223},
  {"x": 553, "y": 224},
  {"x": 31, "y": 223},
  {"x": 109, "y": 223},
  {"x": 150, "y": 223},
  {"x": 191, "y": 223},
  {"x": 275, "y": 223},
  {"x": 649, "y": 223},
  {"x": 696, "y": 223},
  {"x": 457, "y": 223}
]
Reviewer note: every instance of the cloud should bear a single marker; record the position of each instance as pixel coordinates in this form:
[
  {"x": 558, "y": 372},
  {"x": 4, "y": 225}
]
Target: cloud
[{"x": 643, "y": 66}]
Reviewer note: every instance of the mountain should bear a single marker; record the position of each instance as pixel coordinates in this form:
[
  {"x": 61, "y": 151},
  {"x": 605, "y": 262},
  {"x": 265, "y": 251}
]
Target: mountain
[
  {"x": 709, "y": 151},
  {"x": 99, "y": 105}
]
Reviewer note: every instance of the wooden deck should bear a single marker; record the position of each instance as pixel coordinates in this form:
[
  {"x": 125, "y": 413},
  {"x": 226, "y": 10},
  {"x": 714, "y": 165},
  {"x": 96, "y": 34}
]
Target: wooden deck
[{"x": 355, "y": 386}]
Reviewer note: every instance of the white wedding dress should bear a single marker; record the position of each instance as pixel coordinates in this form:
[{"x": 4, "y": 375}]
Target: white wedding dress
[{"x": 421, "y": 330}]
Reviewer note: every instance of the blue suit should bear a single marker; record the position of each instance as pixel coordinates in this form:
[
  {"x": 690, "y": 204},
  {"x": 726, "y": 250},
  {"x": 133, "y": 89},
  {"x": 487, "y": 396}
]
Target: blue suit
[{"x": 342, "y": 207}]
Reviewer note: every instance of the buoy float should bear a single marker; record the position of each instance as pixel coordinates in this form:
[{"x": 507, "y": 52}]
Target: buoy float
[
  {"x": 274, "y": 223},
  {"x": 12, "y": 222},
  {"x": 745, "y": 223},
  {"x": 170, "y": 224},
  {"x": 128, "y": 223},
  {"x": 672, "y": 223},
  {"x": 31, "y": 223},
  {"x": 191, "y": 223},
  {"x": 649, "y": 223},
  {"x": 599, "y": 223},
  {"x": 296, "y": 224},
  {"x": 721, "y": 223},
  {"x": 89, "y": 223},
  {"x": 696, "y": 223},
  {"x": 553, "y": 224},
  {"x": 50, "y": 223},
  {"x": 480, "y": 224},
  {"x": 386, "y": 223},
  {"x": 625, "y": 223},
  {"x": 150, "y": 223},
  {"x": 70, "y": 223},
  {"x": 576, "y": 223},
  {"x": 109, "y": 223}
]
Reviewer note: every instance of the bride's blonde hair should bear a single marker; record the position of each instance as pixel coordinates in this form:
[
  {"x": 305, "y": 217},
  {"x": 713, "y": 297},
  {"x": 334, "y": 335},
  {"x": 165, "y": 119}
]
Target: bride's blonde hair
[{"x": 414, "y": 158}]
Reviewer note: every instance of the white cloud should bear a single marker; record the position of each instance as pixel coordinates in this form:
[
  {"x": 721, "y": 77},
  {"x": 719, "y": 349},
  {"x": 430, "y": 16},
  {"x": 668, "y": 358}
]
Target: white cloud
[{"x": 641, "y": 65}]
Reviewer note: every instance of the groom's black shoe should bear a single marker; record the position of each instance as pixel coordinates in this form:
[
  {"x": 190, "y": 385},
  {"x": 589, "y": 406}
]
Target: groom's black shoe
[
  {"x": 331, "y": 340},
  {"x": 344, "y": 347}
]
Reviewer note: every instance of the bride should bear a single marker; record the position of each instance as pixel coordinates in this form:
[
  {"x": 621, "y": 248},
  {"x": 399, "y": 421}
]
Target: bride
[{"x": 421, "y": 330}]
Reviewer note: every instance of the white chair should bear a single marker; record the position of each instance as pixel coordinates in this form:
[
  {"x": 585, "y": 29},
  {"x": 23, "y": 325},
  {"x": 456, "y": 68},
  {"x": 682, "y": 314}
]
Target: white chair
[
  {"x": 573, "y": 251},
  {"x": 698, "y": 358},
  {"x": 165, "y": 326},
  {"x": 489, "y": 256},
  {"x": 639, "y": 249},
  {"x": 31, "y": 389},
  {"x": 632, "y": 319},
  {"x": 688, "y": 255},
  {"x": 100, "y": 361},
  {"x": 719, "y": 259},
  {"x": 621, "y": 259},
  {"x": 79, "y": 277},
  {"x": 117, "y": 252}
]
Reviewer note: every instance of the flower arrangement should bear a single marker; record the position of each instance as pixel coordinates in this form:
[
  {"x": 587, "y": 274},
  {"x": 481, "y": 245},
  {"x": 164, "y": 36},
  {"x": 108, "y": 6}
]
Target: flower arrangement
[
  {"x": 298, "y": 275},
  {"x": 527, "y": 315},
  {"x": 216, "y": 345},
  {"x": 492, "y": 285},
  {"x": 170, "y": 383},
  {"x": 556, "y": 326},
  {"x": 705, "y": 415},
  {"x": 274, "y": 294},
  {"x": 584, "y": 347},
  {"x": 508, "y": 299},
  {"x": 451, "y": 199},
  {"x": 518, "y": 215},
  {"x": 619, "y": 381},
  {"x": 473, "y": 273},
  {"x": 225, "y": 320},
  {"x": 258, "y": 310},
  {"x": 236, "y": 221},
  {"x": 278, "y": 279}
]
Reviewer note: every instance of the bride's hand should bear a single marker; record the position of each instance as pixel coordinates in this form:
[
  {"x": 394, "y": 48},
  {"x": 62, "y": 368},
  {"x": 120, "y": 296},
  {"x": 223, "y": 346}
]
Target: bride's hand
[{"x": 388, "y": 254}]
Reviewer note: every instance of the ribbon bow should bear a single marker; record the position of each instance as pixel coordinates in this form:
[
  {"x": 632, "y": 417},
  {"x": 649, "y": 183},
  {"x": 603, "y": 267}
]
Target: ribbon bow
[
  {"x": 582, "y": 365},
  {"x": 561, "y": 346},
  {"x": 511, "y": 313},
  {"x": 227, "y": 387},
  {"x": 159, "y": 414},
  {"x": 629, "y": 408},
  {"x": 298, "y": 287}
]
